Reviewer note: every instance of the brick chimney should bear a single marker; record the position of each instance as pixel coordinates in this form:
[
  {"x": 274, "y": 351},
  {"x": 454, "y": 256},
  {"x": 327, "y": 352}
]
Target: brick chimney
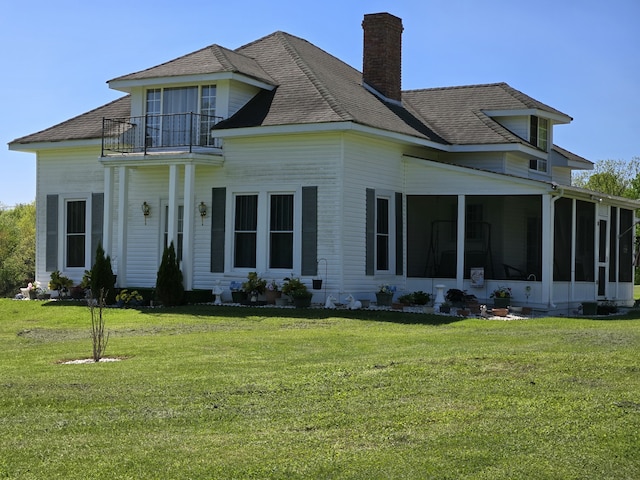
[{"x": 382, "y": 56}]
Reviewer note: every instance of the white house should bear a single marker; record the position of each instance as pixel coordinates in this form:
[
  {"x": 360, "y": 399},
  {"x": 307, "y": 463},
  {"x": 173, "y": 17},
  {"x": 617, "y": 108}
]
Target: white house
[{"x": 277, "y": 157}]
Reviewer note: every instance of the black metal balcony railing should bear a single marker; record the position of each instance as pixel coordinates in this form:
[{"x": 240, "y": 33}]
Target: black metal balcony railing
[{"x": 157, "y": 133}]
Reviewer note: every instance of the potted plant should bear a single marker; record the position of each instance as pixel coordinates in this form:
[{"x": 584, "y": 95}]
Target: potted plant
[
  {"x": 254, "y": 286},
  {"x": 298, "y": 292},
  {"x": 273, "y": 292},
  {"x": 384, "y": 295},
  {"x": 126, "y": 299},
  {"x": 59, "y": 283},
  {"x": 421, "y": 298},
  {"x": 406, "y": 299},
  {"x": 445, "y": 307},
  {"x": 237, "y": 294},
  {"x": 459, "y": 298},
  {"x": 501, "y": 297}
]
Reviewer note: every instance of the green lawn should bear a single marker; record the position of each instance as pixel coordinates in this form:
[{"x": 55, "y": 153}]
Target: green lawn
[{"x": 223, "y": 392}]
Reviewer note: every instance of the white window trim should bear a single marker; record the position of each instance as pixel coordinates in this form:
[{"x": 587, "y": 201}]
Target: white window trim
[{"x": 262, "y": 230}]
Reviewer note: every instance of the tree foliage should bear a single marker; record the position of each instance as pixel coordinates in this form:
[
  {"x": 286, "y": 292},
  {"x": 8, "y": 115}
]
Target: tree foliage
[
  {"x": 613, "y": 177},
  {"x": 17, "y": 248}
]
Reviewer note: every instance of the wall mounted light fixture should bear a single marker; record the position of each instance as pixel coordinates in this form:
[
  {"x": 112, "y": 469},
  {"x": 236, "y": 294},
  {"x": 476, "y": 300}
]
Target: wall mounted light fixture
[
  {"x": 202, "y": 208},
  {"x": 146, "y": 211}
]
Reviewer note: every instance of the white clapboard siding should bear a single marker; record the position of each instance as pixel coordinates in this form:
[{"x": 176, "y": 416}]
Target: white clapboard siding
[
  {"x": 239, "y": 95},
  {"x": 517, "y": 124}
]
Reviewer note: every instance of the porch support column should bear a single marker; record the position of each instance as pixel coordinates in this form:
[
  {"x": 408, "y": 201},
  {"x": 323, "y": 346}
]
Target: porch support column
[
  {"x": 187, "y": 226},
  {"x": 548, "y": 234},
  {"x": 123, "y": 203},
  {"x": 172, "y": 220},
  {"x": 107, "y": 214},
  {"x": 460, "y": 242}
]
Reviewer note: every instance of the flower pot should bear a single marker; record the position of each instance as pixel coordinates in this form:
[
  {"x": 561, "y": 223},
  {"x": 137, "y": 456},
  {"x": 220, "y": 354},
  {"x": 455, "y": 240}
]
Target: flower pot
[
  {"x": 384, "y": 299},
  {"x": 271, "y": 296},
  {"x": 302, "y": 302},
  {"x": 589, "y": 308},
  {"x": 33, "y": 295},
  {"x": 445, "y": 308},
  {"x": 501, "y": 302},
  {"x": 500, "y": 312},
  {"x": 239, "y": 296},
  {"x": 316, "y": 283}
]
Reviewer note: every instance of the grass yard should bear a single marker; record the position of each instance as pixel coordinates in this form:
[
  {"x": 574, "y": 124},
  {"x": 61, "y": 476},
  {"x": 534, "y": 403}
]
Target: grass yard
[{"x": 240, "y": 393}]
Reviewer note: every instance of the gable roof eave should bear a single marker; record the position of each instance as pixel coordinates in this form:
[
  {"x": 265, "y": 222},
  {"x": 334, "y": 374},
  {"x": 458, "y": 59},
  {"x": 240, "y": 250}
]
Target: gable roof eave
[
  {"x": 34, "y": 147},
  {"x": 344, "y": 126}
]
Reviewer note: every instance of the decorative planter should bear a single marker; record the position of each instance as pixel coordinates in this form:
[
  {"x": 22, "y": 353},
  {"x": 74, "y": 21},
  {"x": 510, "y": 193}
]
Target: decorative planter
[
  {"x": 239, "y": 296},
  {"x": 302, "y": 302},
  {"x": 33, "y": 295},
  {"x": 384, "y": 299},
  {"x": 272, "y": 295},
  {"x": 445, "y": 308},
  {"x": 316, "y": 283},
  {"x": 282, "y": 302},
  {"x": 500, "y": 312},
  {"x": 500, "y": 302}
]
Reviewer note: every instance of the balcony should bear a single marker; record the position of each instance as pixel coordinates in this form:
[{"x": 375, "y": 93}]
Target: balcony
[{"x": 149, "y": 134}]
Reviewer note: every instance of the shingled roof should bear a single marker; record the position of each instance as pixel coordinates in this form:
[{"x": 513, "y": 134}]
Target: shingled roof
[
  {"x": 312, "y": 86},
  {"x": 211, "y": 59}
]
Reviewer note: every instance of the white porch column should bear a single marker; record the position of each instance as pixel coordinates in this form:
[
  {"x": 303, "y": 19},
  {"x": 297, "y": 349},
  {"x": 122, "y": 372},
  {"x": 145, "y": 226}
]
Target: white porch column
[
  {"x": 187, "y": 226},
  {"x": 107, "y": 213},
  {"x": 460, "y": 242},
  {"x": 172, "y": 221},
  {"x": 123, "y": 204}
]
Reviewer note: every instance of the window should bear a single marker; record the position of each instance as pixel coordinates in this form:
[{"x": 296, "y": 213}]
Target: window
[
  {"x": 281, "y": 232},
  {"x": 180, "y": 230},
  {"x": 382, "y": 233},
  {"x": 76, "y": 233},
  {"x": 538, "y": 164},
  {"x": 245, "y": 231},
  {"x": 208, "y": 110},
  {"x": 539, "y": 132}
]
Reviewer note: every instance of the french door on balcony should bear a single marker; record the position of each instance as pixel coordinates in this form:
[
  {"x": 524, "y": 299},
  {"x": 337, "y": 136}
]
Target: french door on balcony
[{"x": 168, "y": 121}]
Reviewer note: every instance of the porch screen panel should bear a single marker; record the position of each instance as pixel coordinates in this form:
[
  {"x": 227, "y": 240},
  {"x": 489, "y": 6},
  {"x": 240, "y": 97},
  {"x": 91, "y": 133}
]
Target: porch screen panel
[
  {"x": 562, "y": 240},
  {"x": 613, "y": 245},
  {"x": 585, "y": 241},
  {"x": 246, "y": 224},
  {"x": 625, "y": 259}
]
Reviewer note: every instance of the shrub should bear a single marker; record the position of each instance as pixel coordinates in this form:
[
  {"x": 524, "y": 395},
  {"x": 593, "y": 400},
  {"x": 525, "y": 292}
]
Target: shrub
[
  {"x": 102, "y": 279},
  {"x": 169, "y": 287}
]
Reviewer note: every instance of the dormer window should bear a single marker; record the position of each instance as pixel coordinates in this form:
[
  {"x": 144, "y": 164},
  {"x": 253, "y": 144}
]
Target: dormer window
[{"x": 539, "y": 132}]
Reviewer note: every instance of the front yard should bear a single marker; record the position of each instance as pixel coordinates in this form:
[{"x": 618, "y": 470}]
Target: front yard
[{"x": 226, "y": 392}]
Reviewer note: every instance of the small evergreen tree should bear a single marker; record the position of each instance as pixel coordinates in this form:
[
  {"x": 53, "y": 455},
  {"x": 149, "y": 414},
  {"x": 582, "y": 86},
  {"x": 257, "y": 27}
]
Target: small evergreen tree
[
  {"x": 102, "y": 279},
  {"x": 169, "y": 287}
]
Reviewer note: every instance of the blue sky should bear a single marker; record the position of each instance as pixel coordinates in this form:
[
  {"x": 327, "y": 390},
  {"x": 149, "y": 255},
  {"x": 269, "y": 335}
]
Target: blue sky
[{"x": 579, "y": 56}]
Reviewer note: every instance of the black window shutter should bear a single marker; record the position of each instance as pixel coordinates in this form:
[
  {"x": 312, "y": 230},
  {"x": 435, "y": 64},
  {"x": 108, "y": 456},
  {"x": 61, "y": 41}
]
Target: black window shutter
[
  {"x": 399, "y": 235},
  {"x": 52, "y": 233},
  {"x": 218, "y": 208},
  {"x": 309, "y": 231},
  {"x": 370, "y": 226},
  {"x": 97, "y": 216}
]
